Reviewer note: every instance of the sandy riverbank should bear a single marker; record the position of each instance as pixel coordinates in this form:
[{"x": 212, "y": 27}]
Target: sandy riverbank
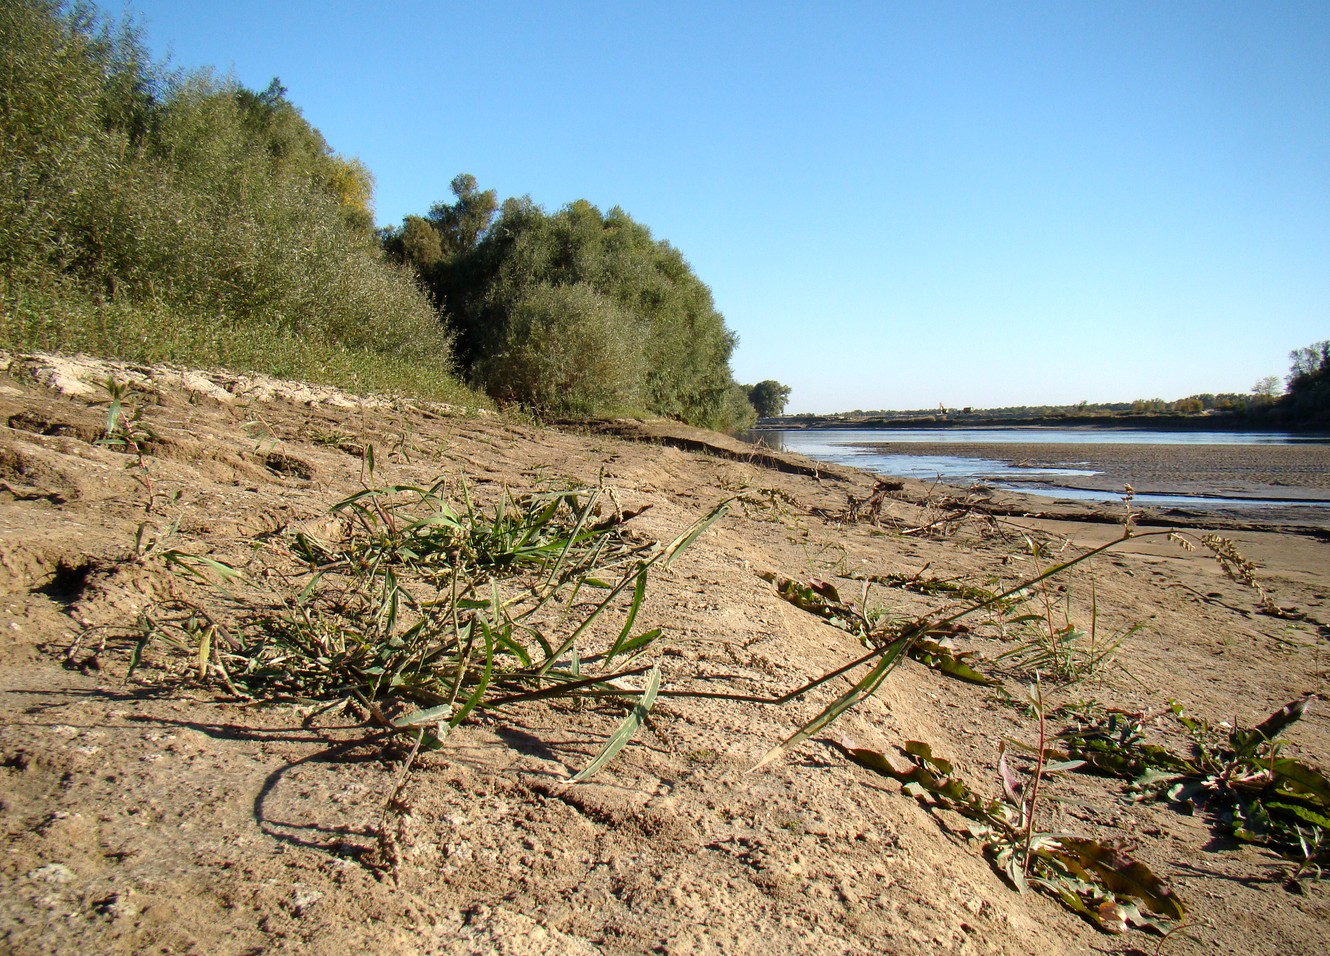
[{"x": 159, "y": 813}]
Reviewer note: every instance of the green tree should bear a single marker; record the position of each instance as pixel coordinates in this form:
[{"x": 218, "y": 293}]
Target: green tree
[
  {"x": 660, "y": 303},
  {"x": 464, "y": 222},
  {"x": 416, "y": 244},
  {"x": 183, "y": 217},
  {"x": 1310, "y": 365},
  {"x": 1267, "y": 389},
  {"x": 1307, "y": 401},
  {"x": 769, "y": 398}
]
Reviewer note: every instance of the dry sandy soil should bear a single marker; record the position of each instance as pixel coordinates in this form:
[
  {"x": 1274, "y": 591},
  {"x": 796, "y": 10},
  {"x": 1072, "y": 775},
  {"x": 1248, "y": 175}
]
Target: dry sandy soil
[{"x": 158, "y": 814}]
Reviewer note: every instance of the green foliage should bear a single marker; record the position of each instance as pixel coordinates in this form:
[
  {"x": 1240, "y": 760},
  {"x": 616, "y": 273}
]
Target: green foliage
[
  {"x": 1097, "y": 881},
  {"x": 416, "y": 244},
  {"x": 929, "y": 646},
  {"x": 462, "y": 224},
  {"x": 178, "y": 217},
  {"x": 568, "y": 350},
  {"x": 1310, "y": 365},
  {"x": 736, "y": 411},
  {"x": 1308, "y": 398},
  {"x": 1238, "y": 776},
  {"x": 496, "y": 261},
  {"x": 432, "y": 610},
  {"x": 769, "y": 398}
]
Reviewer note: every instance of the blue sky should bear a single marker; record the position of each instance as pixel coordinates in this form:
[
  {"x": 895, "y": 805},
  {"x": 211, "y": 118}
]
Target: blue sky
[{"x": 896, "y": 205}]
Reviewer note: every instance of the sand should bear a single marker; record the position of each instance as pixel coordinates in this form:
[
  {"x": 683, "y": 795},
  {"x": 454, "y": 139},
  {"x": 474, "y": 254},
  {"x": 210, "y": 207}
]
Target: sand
[
  {"x": 155, "y": 813},
  {"x": 1301, "y": 470},
  {"x": 1266, "y": 475}
]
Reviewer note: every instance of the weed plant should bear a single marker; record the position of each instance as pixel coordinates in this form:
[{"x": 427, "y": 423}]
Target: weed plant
[
  {"x": 1237, "y": 776},
  {"x": 1097, "y": 881},
  {"x": 1060, "y": 650},
  {"x": 424, "y": 609}
]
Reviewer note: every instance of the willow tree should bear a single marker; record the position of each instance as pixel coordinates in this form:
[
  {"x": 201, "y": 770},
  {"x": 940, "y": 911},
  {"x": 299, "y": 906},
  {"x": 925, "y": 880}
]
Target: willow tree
[
  {"x": 184, "y": 217},
  {"x": 487, "y": 287}
]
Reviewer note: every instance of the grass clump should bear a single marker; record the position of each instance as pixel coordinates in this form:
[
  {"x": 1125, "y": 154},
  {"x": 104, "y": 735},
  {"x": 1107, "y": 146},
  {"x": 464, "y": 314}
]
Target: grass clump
[{"x": 424, "y": 609}]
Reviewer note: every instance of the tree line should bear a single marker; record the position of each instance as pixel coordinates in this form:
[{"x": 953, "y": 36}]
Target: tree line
[{"x": 155, "y": 215}]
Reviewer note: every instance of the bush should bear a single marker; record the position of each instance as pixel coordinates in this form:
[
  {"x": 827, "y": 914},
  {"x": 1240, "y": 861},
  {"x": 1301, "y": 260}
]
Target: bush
[
  {"x": 189, "y": 219},
  {"x": 568, "y": 351},
  {"x": 490, "y": 266}
]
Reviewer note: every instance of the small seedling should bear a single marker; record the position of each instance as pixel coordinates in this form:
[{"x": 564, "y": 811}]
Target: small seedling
[{"x": 126, "y": 431}]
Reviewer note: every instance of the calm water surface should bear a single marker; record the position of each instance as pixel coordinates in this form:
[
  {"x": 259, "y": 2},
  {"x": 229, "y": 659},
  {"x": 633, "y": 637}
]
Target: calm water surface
[{"x": 844, "y": 446}]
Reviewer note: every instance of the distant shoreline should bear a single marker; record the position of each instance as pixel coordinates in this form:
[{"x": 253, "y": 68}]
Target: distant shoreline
[{"x": 1218, "y": 423}]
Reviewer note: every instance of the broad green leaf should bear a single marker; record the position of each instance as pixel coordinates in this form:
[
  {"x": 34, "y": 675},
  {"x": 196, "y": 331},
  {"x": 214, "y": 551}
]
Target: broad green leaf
[
  {"x": 1303, "y": 779},
  {"x": 1305, "y": 814},
  {"x": 1125, "y": 876},
  {"x": 1271, "y": 727},
  {"x": 945, "y": 660}
]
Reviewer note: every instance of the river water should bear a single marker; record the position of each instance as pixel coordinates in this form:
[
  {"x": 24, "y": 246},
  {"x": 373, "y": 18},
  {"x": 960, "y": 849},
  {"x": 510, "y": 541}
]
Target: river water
[{"x": 854, "y": 448}]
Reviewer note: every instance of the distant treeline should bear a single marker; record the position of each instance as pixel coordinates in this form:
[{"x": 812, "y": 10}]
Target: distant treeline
[
  {"x": 1192, "y": 405},
  {"x": 1303, "y": 402},
  {"x": 171, "y": 216}
]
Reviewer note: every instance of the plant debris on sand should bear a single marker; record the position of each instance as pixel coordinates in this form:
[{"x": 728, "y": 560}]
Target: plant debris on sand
[{"x": 288, "y": 668}]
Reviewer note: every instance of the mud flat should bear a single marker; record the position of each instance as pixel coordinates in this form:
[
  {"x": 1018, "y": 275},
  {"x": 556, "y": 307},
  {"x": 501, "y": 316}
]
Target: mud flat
[{"x": 1298, "y": 474}]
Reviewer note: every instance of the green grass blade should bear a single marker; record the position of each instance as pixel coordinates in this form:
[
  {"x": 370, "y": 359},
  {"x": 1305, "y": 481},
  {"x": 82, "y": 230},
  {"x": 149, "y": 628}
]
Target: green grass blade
[
  {"x": 617, "y": 740},
  {"x": 642, "y": 640},
  {"x": 566, "y": 686},
  {"x": 186, "y": 562},
  {"x": 691, "y": 534},
  {"x": 891, "y": 656},
  {"x": 483, "y": 684},
  {"x": 430, "y": 715},
  {"x": 639, "y": 593},
  {"x": 582, "y": 518},
  {"x": 590, "y": 618}
]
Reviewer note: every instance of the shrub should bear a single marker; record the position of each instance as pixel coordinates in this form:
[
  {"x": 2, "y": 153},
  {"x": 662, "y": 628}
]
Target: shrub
[
  {"x": 570, "y": 351},
  {"x": 186, "y": 218}
]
